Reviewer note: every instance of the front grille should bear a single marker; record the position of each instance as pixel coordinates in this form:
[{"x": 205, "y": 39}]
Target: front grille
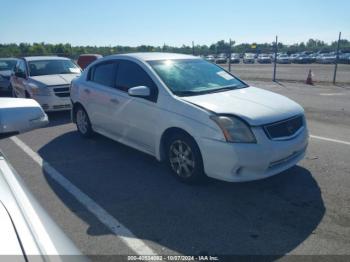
[
  {"x": 284, "y": 129},
  {"x": 67, "y": 106},
  {"x": 62, "y": 91},
  {"x": 45, "y": 106}
]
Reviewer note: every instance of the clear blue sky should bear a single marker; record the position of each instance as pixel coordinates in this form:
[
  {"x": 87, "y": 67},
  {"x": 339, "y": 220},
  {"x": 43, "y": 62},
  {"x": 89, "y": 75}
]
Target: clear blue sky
[{"x": 174, "y": 22}]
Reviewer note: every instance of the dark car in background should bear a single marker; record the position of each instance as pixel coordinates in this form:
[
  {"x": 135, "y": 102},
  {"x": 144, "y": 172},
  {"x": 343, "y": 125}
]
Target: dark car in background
[
  {"x": 283, "y": 59},
  {"x": 313, "y": 57},
  {"x": 293, "y": 57},
  {"x": 344, "y": 58},
  {"x": 86, "y": 59},
  {"x": 7, "y": 66},
  {"x": 329, "y": 58},
  {"x": 302, "y": 59},
  {"x": 235, "y": 58},
  {"x": 264, "y": 59},
  {"x": 221, "y": 59}
]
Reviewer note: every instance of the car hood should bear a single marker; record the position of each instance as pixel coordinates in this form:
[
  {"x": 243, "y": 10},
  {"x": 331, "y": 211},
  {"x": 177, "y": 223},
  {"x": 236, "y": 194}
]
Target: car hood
[
  {"x": 53, "y": 80},
  {"x": 6, "y": 72},
  {"x": 255, "y": 105}
]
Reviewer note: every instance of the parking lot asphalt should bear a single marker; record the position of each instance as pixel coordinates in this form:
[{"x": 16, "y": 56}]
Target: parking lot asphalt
[
  {"x": 304, "y": 210},
  {"x": 322, "y": 73}
]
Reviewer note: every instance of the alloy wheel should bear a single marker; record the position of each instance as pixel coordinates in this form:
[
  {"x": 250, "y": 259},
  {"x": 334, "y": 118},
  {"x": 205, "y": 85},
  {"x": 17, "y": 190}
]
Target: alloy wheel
[
  {"x": 181, "y": 159},
  {"x": 82, "y": 121}
]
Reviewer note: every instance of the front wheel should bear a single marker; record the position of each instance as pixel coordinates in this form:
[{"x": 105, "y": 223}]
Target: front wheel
[
  {"x": 83, "y": 122},
  {"x": 184, "y": 159}
]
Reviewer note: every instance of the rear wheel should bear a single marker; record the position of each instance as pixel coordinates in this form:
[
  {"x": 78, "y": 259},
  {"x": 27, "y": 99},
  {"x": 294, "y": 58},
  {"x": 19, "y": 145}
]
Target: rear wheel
[
  {"x": 83, "y": 122},
  {"x": 184, "y": 158}
]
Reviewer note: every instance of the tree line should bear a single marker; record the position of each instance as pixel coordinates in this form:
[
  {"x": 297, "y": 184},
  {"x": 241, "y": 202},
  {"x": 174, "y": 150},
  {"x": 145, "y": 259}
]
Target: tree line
[{"x": 34, "y": 49}]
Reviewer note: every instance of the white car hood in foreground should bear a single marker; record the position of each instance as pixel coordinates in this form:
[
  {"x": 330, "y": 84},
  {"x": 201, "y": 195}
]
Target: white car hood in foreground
[
  {"x": 53, "y": 80},
  {"x": 255, "y": 105},
  {"x": 21, "y": 214}
]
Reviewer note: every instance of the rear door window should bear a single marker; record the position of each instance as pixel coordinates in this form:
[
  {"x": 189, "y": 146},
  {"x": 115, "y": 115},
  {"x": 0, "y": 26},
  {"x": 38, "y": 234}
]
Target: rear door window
[{"x": 104, "y": 74}]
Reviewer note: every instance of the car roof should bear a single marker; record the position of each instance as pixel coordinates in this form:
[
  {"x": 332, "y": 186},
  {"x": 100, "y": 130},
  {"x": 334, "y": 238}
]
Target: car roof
[
  {"x": 150, "y": 56},
  {"x": 8, "y": 58},
  {"x": 39, "y": 58}
]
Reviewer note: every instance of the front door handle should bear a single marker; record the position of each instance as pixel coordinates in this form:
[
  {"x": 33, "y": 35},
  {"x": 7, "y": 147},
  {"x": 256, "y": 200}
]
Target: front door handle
[
  {"x": 87, "y": 91},
  {"x": 114, "y": 101}
]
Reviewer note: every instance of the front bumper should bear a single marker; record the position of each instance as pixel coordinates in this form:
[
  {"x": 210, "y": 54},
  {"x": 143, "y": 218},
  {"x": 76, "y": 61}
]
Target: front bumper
[
  {"x": 53, "y": 103},
  {"x": 5, "y": 85},
  {"x": 246, "y": 162}
]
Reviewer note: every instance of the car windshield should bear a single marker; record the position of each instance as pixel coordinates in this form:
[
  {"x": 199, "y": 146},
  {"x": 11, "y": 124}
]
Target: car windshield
[
  {"x": 52, "y": 67},
  {"x": 187, "y": 77},
  {"x": 7, "y": 65}
]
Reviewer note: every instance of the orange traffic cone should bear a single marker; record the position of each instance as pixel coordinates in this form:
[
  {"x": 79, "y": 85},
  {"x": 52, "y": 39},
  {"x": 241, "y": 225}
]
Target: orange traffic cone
[{"x": 309, "y": 80}]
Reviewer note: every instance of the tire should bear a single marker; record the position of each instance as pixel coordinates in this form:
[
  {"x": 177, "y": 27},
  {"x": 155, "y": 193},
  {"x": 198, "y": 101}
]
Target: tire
[
  {"x": 184, "y": 159},
  {"x": 83, "y": 122},
  {"x": 27, "y": 95}
]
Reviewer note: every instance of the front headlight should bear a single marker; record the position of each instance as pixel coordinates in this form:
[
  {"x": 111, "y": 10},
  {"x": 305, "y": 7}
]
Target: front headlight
[
  {"x": 235, "y": 130},
  {"x": 39, "y": 91}
]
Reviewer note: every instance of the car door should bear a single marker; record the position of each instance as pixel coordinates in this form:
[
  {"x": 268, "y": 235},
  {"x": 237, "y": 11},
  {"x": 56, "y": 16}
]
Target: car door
[
  {"x": 20, "y": 79},
  {"x": 136, "y": 117},
  {"x": 99, "y": 97}
]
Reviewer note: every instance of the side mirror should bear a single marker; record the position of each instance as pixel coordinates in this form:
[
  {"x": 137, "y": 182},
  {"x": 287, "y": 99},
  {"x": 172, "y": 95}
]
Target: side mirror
[
  {"x": 19, "y": 115},
  {"x": 20, "y": 74},
  {"x": 139, "y": 91}
]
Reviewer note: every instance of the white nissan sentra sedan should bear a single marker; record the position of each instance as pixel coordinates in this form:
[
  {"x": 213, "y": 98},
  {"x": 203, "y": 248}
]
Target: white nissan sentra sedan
[{"x": 191, "y": 113}]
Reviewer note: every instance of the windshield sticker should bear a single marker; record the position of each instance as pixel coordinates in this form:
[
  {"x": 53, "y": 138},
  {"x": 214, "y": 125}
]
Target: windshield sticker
[
  {"x": 225, "y": 75},
  {"x": 74, "y": 70}
]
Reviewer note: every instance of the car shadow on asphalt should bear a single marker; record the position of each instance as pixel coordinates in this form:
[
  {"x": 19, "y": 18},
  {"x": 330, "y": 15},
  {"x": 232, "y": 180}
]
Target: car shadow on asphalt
[
  {"x": 59, "y": 118},
  {"x": 270, "y": 217}
]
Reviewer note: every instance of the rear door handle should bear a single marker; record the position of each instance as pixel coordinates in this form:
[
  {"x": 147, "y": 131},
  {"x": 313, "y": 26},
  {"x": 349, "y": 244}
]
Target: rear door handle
[
  {"x": 114, "y": 101},
  {"x": 87, "y": 91}
]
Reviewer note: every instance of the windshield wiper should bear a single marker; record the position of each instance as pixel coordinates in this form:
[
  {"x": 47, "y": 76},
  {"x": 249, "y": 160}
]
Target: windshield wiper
[
  {"x": 186, "y": 93},
  {"x": 202, "y": 92},
  {"x": 223, "y": 89}
]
